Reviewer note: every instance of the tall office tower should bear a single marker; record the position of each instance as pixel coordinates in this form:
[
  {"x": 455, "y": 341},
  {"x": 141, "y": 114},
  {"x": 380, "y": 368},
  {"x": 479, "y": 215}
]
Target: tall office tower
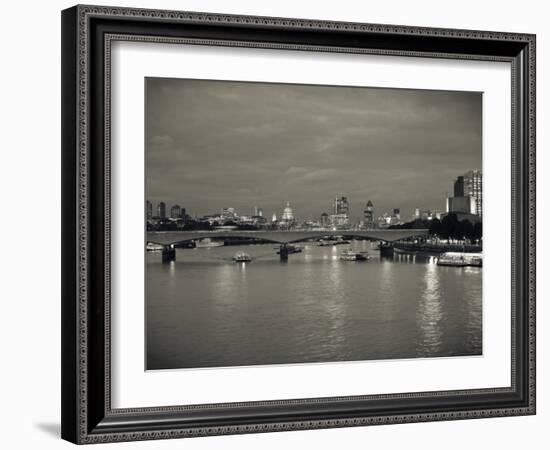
[
  {"x": 149, "y": 210},
  {"x": 161, "y": 210},
  {"x": 473, "y": 187},
  {"x": 341, "y": 206},
  {"x": 459, "y": 187},
  {"x": 368, "y": 215},
  {"x": 464, "y": 205},
  {"x": 175, "y": 212}
]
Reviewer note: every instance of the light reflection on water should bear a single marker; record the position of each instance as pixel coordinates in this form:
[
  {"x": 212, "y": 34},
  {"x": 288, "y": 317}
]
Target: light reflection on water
[
  {"x": 430, "y": 313},
  {"x": 203, "y": 310}
]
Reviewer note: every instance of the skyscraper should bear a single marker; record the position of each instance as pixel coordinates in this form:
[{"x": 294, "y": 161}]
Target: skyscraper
[
  {"x": 149, "y": 210},
  {"x": 341, "y": 206},
  {"x": 459, "y": 187},
  {"x": 161, "y": 210},
  {"x": 464, "y": 205},
  {"x": 175, "y": 212},
  {"x": 368, "y": 216},
  {"x": 473, "y": 187},
  {"x": 467, "y": 190}
]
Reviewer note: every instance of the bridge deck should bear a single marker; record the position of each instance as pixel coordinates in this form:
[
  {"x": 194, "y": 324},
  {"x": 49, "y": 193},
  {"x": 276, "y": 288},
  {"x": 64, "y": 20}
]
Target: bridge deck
[{"x": 278, "y": 236}]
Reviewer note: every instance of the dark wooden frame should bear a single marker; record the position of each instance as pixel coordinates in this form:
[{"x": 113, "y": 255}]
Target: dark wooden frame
[{"x": 87, "y": 32}]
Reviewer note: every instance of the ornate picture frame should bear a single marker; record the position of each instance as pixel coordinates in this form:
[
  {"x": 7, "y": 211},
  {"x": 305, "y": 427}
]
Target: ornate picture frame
[{"x": 87, "y": 35}]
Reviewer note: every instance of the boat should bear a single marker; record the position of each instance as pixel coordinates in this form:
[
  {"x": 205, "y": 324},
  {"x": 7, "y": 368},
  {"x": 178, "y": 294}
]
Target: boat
[
  {"x": 350, "y": 255},
  {"x": 291, "y": 249},
  {"x": 476, "y": 259},
  {"x": 208, "y": 243},
  {"x": 153, "y": 247},
  {"x": 460, "y": 259},
  {"x": 401, "y": 251},
  {"x": 453, "y": 259},
  {"x": 242, "y": 257}
]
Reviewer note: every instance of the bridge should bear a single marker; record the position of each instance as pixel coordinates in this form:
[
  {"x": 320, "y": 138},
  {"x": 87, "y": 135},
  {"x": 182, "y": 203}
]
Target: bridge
[{"x": 171, "y": 241}]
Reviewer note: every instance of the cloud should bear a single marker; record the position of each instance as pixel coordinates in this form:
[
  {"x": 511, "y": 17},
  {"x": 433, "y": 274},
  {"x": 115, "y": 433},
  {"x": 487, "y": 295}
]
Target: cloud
[
  {"x": 163, "y": 140},
  {"x": 213, "y": 143}
]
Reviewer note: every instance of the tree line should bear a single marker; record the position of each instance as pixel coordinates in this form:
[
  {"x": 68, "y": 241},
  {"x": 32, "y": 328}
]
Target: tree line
[{"x": 447, "y": 228}]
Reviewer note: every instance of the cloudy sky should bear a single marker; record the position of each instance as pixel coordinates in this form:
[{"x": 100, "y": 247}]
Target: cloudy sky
[{"x": 214, "y": 144}]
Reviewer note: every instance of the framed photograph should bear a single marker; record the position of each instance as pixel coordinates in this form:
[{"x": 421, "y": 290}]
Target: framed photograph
[{"x": 278, "y": 224}]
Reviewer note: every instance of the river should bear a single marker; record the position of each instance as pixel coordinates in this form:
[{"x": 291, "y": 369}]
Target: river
[{"x": 203, "y": 310}]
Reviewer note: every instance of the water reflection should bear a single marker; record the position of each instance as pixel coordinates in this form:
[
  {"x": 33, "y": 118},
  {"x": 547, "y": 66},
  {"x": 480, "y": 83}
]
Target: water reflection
[
  {"x": 430, "y": 313},
  {"x": 204, "y": 310}
]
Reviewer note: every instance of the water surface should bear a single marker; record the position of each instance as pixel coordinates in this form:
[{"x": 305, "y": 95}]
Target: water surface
[{"x": 203, "y": 310}]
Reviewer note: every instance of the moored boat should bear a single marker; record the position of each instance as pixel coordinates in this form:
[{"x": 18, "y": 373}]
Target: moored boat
[
  {"x": 242, "y": 257},
  {"x": 153, "y": 247},
  {"x": 460, "y": 259},
  {"x": 350, "y": 255},
  {"x": 291, "y": 249}
]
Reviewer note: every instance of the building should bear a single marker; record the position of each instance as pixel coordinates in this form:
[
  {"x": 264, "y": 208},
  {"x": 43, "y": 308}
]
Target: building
[
  {"x": 467, "y": 194},
  {"x": 325, "y": 221},
  {"x": 288, "y": 214},
  {"x": 464, "y": 205},
  {"x": 384, "y": 221},
  {"x": 341, "y": 206},
  {"x": 397, "y": 214},
  {"x": 339, "y": 220},
  {"x": 458, "y": 187},
  {"x": 175, "y": 212},
  {"x": 274, "y": 217},
  {"x": 259, "y": 212},
  {"x": 228, "y": 213},
  {"x": 340, "y": 216},
  {"x": 387, "y": 220},
  {"x": 161, "y": 210},
  {"x": 422, "y": 214},
  {"x": 473, "y": 187},
  {"x": 149, "y": 209},
  {"x": 368, "y": 216}
]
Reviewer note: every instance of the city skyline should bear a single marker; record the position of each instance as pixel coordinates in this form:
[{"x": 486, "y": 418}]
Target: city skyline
[
  {"x": 467, "y": 190},
  {"x": 339, "y": 215},
  {"x": 265, "y": 144}
]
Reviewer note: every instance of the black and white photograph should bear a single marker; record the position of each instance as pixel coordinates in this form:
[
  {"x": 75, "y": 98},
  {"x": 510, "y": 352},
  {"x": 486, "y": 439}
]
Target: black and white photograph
[
  {"x": 278, "y": 218},
  {"x": 296, "y": 224}
]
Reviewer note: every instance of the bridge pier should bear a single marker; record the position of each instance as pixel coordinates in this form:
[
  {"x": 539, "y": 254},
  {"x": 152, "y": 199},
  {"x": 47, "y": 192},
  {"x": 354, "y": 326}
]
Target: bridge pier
[
  {"x": 168, "y": 253},
  {"x": 283, "y": 253},
  {"x": 386, "y": 250}
]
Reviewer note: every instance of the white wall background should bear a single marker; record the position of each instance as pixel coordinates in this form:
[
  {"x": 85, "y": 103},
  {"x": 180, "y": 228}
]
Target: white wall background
[{"x": 30, "y": 205}]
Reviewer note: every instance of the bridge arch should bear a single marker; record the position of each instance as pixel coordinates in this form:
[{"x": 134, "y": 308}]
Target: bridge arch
[
  {"x": 180, "y": 242},
  {"x": 283, "y": 237}
]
